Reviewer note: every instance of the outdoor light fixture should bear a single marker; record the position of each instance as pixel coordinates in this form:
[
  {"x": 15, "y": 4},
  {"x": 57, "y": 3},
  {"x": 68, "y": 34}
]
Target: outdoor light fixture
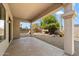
[{"x": 9, "y": 21}]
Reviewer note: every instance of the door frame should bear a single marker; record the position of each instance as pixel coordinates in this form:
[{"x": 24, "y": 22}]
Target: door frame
[{"x": 9, "y": 30}]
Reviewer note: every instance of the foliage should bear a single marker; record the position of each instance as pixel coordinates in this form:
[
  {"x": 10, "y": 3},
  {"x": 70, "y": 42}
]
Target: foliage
[{"x": 50, "y": 22}]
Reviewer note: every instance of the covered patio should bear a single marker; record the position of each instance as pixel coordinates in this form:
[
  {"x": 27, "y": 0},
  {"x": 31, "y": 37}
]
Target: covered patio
[{"x": 33, "y": 46}]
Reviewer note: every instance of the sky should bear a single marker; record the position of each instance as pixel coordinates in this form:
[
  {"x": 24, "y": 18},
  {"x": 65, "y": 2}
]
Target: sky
[
  {"x": 76, "y": 19},
  {"x": 76, "y": 7}
]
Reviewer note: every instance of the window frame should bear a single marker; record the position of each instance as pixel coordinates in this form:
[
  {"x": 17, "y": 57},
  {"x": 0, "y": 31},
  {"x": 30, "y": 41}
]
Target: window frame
[{"x": 3, "y": 17}]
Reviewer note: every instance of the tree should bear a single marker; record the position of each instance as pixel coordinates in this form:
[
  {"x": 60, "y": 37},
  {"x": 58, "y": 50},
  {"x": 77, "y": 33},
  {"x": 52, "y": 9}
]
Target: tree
[{"x": 50, "y": 23}]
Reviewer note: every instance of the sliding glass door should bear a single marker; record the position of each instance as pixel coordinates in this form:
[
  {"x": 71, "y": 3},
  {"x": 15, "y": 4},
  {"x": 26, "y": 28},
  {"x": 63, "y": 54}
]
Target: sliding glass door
[{"x": 2, "y": 23}]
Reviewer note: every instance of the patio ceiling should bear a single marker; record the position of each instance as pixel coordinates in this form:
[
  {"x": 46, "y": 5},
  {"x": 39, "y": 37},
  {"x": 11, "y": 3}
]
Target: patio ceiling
[{"x": 32, "y": 11}]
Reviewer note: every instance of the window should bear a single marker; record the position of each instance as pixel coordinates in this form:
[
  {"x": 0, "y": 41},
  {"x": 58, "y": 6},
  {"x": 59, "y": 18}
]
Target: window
[
  {"x": 24, "y": 25},
  {"x": 2, "y": 23}
]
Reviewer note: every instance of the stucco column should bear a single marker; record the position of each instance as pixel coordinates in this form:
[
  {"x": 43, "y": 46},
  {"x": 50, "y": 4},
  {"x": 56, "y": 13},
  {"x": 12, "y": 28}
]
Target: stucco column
[
  {"x": 68, "y": 29},
  {"x": 31, "y": 29}
]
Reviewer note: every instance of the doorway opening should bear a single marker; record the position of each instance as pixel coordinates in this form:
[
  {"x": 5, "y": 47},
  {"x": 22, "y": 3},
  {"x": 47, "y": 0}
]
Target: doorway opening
[{"x": 9, "y": 24}]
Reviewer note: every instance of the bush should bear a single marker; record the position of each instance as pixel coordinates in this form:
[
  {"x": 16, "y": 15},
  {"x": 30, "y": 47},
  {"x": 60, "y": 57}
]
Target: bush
[{"x": 50, "y": 23}]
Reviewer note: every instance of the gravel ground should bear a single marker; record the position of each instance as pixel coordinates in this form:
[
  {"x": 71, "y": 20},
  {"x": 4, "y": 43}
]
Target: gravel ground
[
  {"x": 57, "y": 41},
  {"x": 51, "y": 39}
]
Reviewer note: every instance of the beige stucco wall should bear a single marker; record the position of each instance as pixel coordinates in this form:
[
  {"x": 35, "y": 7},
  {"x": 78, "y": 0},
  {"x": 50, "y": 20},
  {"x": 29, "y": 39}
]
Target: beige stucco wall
[
  {"x": 4, "y": 44},
  {"x": 16, "y": 28}
]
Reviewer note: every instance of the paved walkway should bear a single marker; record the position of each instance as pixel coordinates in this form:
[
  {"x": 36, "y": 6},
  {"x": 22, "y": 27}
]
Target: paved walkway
[{"x": 30, "y": 46}]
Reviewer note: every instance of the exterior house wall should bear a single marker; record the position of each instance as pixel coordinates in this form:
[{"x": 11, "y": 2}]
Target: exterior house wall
[
  {"x": 16, "y": 28},
  {"x": 4, "y": 44}
]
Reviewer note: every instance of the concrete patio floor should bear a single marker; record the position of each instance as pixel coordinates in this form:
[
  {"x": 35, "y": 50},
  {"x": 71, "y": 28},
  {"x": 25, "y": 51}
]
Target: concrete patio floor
[{"x": 30, "y": 46}]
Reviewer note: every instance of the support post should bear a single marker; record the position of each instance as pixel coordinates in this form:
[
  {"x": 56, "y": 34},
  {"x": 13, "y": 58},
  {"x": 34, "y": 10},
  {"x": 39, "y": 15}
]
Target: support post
[
  {"x": 31, "y": 30},
  {"x": 68, "y": 29}
]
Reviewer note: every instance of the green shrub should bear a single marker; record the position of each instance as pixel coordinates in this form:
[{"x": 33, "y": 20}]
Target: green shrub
[{"x": 50, "y": 22}]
